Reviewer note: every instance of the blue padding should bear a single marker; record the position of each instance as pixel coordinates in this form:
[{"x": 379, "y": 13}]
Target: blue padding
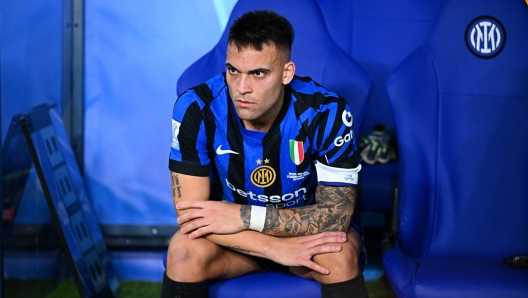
[
  {"x": 31, "y": 56},
  {"x": 30, "y": 74},
  {"x": 378, "y": 34},
  {"x": 459, "y": 119},
  {"x": 264, "y": 285},
  {"x": 453, "y": 277},
  {"x": 460, "y": 122},
  {"x": 377, "y": 182},
  {"x": 134, "y": 53}
]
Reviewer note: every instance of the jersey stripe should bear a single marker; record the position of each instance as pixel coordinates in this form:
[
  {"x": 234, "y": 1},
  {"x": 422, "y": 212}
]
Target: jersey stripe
[{"x": 236, "y": 174}]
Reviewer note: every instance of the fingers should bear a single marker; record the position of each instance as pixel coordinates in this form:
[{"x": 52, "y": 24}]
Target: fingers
[
  {"x": 325, "y": 238},
  {"x": 189, "y": 216},
  {"x": 320, "y": 245},
  {"x": 199, "y": 232},
  {"x": 323, "y": 249},
  {"x": 192, "y": 226},
  {"x": 196, "y": 229},
  {"x": 189, "y": 204},
  {"x": 315, "y": 267}
]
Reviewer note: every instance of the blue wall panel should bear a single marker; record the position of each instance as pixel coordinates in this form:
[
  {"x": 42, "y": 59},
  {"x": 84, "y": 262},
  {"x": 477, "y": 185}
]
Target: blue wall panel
[
  {"x": 31, "y": 55},
  {"x": 31, "y": 70},
  {"x": 135, "y": 53}
]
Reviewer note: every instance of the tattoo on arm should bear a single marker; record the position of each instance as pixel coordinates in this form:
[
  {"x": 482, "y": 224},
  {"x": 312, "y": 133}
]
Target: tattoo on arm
[
  {"x": 240, "y": 249},
  {"x": 245, "y": 215},
  {"x": 333, "y": 212},
  {"x": 176, "y": 187}
]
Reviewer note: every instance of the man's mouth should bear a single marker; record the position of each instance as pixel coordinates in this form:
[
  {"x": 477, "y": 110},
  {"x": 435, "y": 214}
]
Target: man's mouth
[{"x": 244, "y": 103}]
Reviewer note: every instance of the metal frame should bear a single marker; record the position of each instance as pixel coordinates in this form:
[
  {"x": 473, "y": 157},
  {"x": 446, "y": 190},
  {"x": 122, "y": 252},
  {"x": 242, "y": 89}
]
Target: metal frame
[
  {"x": 73, "y": 45},
  {"x": 73, "y": 75}
]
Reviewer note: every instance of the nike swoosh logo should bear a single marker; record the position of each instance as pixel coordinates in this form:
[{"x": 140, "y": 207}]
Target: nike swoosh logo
[{"x": 219, "y": 151}]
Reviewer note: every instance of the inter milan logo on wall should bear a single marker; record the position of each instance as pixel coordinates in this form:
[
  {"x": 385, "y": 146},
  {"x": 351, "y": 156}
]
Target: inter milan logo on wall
[{"x": 485, "y": 37}]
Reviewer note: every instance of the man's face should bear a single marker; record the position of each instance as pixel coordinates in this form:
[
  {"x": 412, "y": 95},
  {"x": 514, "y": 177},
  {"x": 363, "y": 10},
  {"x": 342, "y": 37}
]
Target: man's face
[{"x": 255, "y": 80}]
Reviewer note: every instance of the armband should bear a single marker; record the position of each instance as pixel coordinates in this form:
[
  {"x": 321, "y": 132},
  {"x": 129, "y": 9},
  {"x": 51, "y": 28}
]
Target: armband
[
  {"x": 257, "y": 218},
  {"x": 332, "y": 176}
]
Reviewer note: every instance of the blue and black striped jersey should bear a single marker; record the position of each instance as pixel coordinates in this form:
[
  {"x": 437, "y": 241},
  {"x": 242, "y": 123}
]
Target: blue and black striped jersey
[{"x": 274, "y": 169}]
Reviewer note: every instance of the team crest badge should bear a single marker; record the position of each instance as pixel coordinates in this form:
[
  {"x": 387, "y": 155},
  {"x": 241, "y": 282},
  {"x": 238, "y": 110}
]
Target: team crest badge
[
  {"x": 296, "y": 152},
  {"x": 485, "y": 37}
]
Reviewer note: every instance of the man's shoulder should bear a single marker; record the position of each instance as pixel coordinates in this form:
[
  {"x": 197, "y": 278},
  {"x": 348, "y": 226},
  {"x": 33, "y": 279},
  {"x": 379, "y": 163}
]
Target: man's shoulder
[
  {"x": 310, "y": 94},
  {"x": 308, "y": 86},
  {"x": 208, "y": 90}
]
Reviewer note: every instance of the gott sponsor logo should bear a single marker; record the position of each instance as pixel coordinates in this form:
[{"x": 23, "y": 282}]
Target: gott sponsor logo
[
  {"x": 346, "y": 116},
  {"x": 263, "y": 176},
  {"x": 278, "y": 201},
  {"x": 340, "y": 141}
]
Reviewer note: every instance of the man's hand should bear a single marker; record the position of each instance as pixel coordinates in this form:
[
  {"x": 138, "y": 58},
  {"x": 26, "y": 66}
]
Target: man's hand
[
  {"x": 298, "y": 251},
  {"x": 205, "y": 217}
]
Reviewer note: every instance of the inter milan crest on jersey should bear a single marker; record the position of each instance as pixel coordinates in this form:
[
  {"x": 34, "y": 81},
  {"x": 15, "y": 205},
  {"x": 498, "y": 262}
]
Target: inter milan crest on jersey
[
  {"x": 485, "y": 37},
  {"x": 263, "y": 176},
  {"x": 296, "y": 152}
]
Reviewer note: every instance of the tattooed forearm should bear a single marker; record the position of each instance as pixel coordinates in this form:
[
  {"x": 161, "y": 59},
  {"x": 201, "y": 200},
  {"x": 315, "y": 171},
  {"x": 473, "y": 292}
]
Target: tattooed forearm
[
  {"x": 245, "y": 215},
  {"x": 176, "y": 187},
  {"x": 332, "y": 212},
  {"x": 240, "y": 249}
]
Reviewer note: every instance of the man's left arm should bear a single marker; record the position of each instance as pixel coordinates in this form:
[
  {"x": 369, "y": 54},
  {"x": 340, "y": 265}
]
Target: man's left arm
[
  {"x": 332, "y": 212},
  {"x": 335, "y": 204}
]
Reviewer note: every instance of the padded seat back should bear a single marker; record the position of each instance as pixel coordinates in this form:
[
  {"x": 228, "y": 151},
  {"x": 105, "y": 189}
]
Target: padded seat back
[
  {"x": 460, "y": 103},
  {"x": 379, "y": 34}
]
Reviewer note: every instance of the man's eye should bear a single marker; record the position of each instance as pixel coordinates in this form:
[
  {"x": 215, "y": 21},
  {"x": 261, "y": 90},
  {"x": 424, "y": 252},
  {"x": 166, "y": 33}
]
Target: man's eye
[
  {"x": 232, "y": 70},
  {"x": 259, "y": 74}
]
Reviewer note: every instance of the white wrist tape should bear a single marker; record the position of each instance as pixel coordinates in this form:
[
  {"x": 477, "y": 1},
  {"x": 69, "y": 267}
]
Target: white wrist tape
[
  {"x": 330, "y": 175},
  {"x": 258, "y": 218}
]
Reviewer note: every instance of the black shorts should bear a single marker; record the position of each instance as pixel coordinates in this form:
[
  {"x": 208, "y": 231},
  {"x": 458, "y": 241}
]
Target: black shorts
[{"x": 267, "y": 265}]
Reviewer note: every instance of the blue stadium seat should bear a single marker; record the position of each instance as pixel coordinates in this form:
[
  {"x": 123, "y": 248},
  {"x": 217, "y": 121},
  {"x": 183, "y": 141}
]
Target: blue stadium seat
[
  {"x": 316, "y": 55},
  {"x": 460, "y": 103},
  {"x": 378, "y": 34}
]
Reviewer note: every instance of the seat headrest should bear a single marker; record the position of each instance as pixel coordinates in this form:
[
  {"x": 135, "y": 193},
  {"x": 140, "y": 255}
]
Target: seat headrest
[{"x": 484, "y": 41}]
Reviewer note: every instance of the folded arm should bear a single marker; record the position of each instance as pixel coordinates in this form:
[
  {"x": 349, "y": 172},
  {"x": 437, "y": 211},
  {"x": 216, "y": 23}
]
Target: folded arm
[
  {"x": 332, "y": 212},
  {"x": 289, "y": 251}
]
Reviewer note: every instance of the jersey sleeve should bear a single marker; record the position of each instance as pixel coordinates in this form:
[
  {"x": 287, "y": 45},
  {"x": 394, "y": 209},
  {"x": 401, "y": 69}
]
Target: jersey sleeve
[
  {"x": 189, "y": 153},
  {"x": 338, "y": 160}
]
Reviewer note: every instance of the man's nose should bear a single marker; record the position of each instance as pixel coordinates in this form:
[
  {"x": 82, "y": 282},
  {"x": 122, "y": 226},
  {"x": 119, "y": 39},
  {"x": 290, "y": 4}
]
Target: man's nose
[{"x": 243, "y": 85}]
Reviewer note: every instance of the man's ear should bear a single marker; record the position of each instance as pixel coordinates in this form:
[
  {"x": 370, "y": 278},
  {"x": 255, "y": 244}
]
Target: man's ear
[{"x": 288, "y": 73}]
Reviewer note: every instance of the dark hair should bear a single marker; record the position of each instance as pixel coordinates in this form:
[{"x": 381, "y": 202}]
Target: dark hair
[{"x": 259, "y": 27}]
